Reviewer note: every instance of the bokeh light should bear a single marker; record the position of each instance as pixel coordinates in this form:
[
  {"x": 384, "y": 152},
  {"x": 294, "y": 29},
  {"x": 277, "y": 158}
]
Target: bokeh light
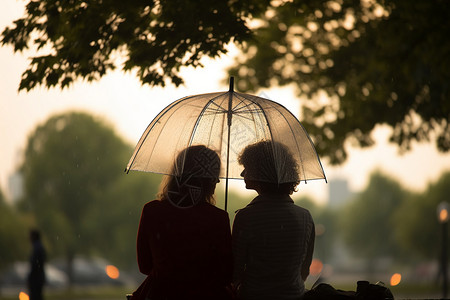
[
  {"x": 443, "y": 215},
  {"x": 112, "y": 271},
  {"x": 316, "y": 267},
  {"x": 442, "y": 212},
  {"x": 23, "y": 296},
  {"x": 395, "y": 279}
]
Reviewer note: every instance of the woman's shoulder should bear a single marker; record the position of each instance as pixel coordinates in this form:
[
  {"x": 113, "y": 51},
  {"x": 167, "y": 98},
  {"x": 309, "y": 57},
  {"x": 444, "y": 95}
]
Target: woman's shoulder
[
  {"x": 212, "y": 209},
  {"x": 154, "y": 204},
  {"x": 301, "y": 210},
  {"x": 272, "y": 207}
]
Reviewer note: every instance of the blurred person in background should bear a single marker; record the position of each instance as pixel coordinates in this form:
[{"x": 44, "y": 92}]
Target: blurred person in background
[{"x": 36, "y": 277}]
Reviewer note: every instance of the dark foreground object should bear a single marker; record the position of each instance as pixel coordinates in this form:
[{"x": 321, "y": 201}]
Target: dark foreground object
[{"x": 364, "y": 291}]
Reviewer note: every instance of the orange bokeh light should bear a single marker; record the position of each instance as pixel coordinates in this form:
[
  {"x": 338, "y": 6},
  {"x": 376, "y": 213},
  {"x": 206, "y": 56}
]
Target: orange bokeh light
[
  {"x": 395, "y": 279},
  {"x": 23, "y": 296},
  {"x": 316, "y": 267},
  {"x": 112, "y": 271},
  {"x": 443, "y": 215}
]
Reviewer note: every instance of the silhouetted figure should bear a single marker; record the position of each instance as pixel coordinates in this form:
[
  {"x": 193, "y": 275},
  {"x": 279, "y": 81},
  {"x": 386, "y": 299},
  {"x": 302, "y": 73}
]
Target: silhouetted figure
[
  {"x": 273, "y": 239},
  {"x": 36, "y": 277},
  {"x": 184, "y": 241}
]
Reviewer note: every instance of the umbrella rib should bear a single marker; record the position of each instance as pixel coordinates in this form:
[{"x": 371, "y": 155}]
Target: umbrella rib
[
  {"x": 150, "y": 127},
  {"x": 218, "y": 106},
  {"x": 242, "y": 115},
  {"x": 236, "y": 110},
  {"x": 208, "y": 111},
  {"x": 213, "y": 111},
  {"x": 206, "y": 106},
  {"x": 156, "y": 121},
  {"x": 261, "y": 110},
  {"x": 251, "y": 112},
  {"x": 222, "y": 111},
  {"x": 256, "y": 110},
  {"x": 239, "y": 113},
  {"x": 240, "y": 96},
  {"x": 274, "y": 106},
  {"x": 296, "y": 142}
]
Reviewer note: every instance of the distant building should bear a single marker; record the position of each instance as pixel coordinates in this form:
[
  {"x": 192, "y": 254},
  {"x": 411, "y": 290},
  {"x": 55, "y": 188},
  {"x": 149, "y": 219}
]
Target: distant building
[
  {"x": 339, "y": 192},
  {"x": 15, "y": 186}
]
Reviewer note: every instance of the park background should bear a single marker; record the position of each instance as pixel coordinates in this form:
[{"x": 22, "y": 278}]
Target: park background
[{"x": 122, "y": 103}]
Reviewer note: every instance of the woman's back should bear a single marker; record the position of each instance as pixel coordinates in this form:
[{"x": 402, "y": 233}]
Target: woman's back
[
  {"x": 271, "y": 239},
  {"x": 186, "y": 252}
]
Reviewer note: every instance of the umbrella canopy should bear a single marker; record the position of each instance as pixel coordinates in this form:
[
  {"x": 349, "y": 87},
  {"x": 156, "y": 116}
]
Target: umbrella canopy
[{"x": 225, "y": 122}]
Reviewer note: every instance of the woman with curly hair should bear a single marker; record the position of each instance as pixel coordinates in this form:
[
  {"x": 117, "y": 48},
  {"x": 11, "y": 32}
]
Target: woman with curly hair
[{"x": 273, "y": 239}]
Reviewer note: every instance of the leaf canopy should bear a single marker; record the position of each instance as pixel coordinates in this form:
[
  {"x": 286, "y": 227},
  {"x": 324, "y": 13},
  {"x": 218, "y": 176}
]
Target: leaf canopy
[
  {"x": 378, "y": 62},
  {"x": 86, "y": 39}
]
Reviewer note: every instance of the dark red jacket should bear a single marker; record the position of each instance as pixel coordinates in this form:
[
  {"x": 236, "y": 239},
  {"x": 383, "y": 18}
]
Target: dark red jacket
[{"x": 186, "y": 252}]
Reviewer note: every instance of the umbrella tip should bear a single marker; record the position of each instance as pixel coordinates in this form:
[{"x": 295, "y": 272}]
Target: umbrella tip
[{"x": 231, "y": 84}]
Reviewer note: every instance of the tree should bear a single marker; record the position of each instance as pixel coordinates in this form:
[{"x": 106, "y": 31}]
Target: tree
[
  {"x": 69, "y": 162},
  {"x": 416, "y": 225},
  {"x": 119, "y": 225},
  {"x": 367, "y": 221},
  {"x": 380, "y": 62},
  {"x": 325, "y": 220},
  {"x": 82, "y": 39},
  {"x": 14, "y": 240}
]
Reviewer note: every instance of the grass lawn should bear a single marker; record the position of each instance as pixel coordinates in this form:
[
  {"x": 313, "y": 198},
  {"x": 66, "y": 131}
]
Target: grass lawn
[{"x": 81, "y": 293}]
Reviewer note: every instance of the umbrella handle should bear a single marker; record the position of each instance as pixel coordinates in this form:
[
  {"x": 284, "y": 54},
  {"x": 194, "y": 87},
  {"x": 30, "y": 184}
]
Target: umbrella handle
[{"x": 230, "y": 115}]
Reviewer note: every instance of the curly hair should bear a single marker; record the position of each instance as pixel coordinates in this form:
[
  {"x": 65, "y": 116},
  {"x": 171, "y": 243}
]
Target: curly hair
[{"x": 271, "y": 163}]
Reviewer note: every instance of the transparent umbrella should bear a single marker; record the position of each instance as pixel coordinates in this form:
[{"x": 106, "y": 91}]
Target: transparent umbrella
[{"x": 225, "y": 122}]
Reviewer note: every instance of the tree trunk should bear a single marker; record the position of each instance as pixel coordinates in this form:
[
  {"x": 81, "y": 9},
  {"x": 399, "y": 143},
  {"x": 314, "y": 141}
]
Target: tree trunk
[{"x": 70, "y": 267}]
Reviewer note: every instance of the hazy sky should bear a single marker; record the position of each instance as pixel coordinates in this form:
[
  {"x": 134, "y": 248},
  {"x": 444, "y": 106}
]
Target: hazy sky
[{"x": 129, "y": 107}]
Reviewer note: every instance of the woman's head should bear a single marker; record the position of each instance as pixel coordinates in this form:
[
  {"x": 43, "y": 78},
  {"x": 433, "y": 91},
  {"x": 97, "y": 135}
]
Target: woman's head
[
  {"x": 195, "y": 175},
  {"x": 269, "y": 167}
]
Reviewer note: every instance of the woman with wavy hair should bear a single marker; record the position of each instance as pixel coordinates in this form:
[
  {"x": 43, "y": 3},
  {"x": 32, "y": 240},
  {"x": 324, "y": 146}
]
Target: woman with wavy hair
[{"x": 184, "y": 241}]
